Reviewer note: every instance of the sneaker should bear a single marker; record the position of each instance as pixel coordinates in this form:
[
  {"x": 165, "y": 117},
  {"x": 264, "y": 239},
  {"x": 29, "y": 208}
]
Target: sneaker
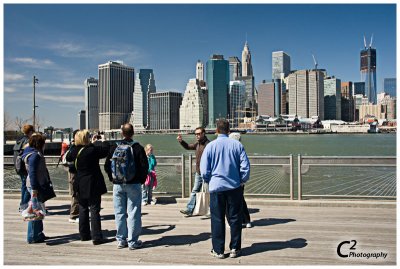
[
  {"x": 234, "y": 253},
  {"x": 153, "y": 202},
  {"x": 216, "y": 255},
  {"x": 186, "y": 213},
  {"x": 122, "y": 244},
  {"x": 74, "y": 220},
  {"x": 208, "y": 215},
  {"x": 144, "y": 203},
  {"x": 136, "y": 245},
  {"x": 249, "y": 225}
]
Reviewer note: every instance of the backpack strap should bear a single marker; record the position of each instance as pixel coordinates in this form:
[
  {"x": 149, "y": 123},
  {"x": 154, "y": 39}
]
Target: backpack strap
[
  {"x": 76, "y": 159},
  {"x": 27, "y": 156},
  {"x": 25, "y": 161}
]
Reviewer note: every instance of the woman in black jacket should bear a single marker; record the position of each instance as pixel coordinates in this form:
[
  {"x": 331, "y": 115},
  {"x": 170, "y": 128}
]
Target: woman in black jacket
[{"x": 89, "y": 183}]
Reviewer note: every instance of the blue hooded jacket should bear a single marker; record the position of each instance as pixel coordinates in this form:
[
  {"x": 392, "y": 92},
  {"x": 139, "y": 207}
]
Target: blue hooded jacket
[{"x": 33, "y": 169}]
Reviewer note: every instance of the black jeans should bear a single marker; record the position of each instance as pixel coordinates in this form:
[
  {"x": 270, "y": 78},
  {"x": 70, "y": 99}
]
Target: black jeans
[
  {"x": 246, "y": 214},
  {"x": 230, "y": 202},
  {"x": 93, "y": 230}
]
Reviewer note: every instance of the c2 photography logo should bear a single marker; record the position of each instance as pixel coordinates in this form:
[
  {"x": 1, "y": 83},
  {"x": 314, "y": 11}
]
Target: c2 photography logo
[{"x": 347, "y": 249}]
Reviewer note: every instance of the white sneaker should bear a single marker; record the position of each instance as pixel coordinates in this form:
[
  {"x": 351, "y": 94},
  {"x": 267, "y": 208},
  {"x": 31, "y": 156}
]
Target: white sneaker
[
  {"x": 144, "y": 203},
  {"x": 249, "y": 225},
  {"x": 153, "y": 202},
  {"x": 122, "y": 244},
  {"x": 74, "y": 220}
]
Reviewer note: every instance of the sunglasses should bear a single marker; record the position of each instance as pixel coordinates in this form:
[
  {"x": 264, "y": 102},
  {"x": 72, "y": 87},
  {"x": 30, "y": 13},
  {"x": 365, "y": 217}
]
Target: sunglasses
[{"x": 197, "y": 134}]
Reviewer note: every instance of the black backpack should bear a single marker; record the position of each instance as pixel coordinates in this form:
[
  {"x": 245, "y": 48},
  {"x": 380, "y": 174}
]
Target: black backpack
[{"x": 19, "y": 163}]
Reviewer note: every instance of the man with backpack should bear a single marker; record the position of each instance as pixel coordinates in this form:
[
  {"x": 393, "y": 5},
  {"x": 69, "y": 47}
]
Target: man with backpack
[
  {"x": 19, "y": 164},
  {"x": 127, "y": 167}
]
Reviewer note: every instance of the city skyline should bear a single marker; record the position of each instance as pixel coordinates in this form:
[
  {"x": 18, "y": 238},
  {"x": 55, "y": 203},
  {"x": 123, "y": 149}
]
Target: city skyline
[{"x": 62, "y": 45}]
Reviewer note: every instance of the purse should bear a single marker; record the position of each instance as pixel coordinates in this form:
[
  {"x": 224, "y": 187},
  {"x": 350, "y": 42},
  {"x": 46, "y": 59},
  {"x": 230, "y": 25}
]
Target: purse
[
  {"x": 202, "y": 202},
  {"x": 46, "y": 191}
]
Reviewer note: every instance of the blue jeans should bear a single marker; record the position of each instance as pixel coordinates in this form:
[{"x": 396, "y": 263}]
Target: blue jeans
[
  {"x": 198, "y": 181},
  {"x": 128, "y": 212},
  {"x": 35, "y": 227},
  {"x": 147, "y": 192},
  {"x": 222, "y": 203},
  {"x": 25, "y": 195}
]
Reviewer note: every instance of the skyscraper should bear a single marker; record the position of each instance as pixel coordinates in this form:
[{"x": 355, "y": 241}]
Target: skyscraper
[
  {"x": 92, "y": 103},
  {"x": 81, "y": 119},
  {"x": 217, "y": 77},
  {"x": 237, "y": 95},
  {"x": 116, "y": 84},
  {"x": 235, "y": 68},
  {"x": 248, "y": 78},
  {"x": 200, "y": 71},
  {"x": 346, "y": 89},
  {"x": 144, "y": 85},
  {"x": 247, "y": 68},
  {"x": 368, "y": 71},
  {"x": 332, "y": 98},
  {"x": 193, "y": 107},
  {"x": 280, "y": 65},
  {"x": 306, "y": 93},
  {"x": 389, "y": 86},
  {"x": 164, "y": 110},
  {"x": 358, "y": 88},
  {"x": 272, "y": 98}
]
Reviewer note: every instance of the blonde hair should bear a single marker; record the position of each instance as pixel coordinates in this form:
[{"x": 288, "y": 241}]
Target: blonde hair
[
  {"x": 82, "y": 138},
  {"x": 148, "y": 146}
]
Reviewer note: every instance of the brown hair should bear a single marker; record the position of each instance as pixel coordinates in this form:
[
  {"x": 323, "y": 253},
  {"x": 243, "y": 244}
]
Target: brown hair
[
  {"x": 127, "y": 130},
  {"x": 223, "y": 127},
  {"x": 37, "y": 141},
  {"x": 27, "y": 128},
  {"x": 201, "y": 129}
]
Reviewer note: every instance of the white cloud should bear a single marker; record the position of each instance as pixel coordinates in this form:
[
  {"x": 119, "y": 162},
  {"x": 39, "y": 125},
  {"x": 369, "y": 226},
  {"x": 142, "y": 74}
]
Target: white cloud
[
  {"x": 62, "y": 85},
  {"x": 61, "y": 99},
  {"x": 129, "y": 53},
  {"x": 34, "y": 63},
  {"x": 13, "y": 77},
  {"x": 9, "y": 90}
]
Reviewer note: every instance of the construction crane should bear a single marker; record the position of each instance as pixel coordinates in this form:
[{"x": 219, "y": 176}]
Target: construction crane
[
  {"x": 372, "y": 37},
  {"x": 315, "y": 62}
]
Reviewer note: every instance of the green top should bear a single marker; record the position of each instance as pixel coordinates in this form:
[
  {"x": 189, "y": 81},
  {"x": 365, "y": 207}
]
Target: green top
[{"x": 152, "y": 162}]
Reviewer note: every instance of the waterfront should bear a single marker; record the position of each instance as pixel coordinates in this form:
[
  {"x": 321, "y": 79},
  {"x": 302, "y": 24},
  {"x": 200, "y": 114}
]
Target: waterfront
[
  {"x": 279, "y": 145},
  {"x": 379, "y": 182}
]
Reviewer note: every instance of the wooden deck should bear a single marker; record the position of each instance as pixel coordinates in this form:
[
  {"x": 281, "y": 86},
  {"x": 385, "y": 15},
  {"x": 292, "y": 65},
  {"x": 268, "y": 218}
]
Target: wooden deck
[{"x": 282, "y": 235}]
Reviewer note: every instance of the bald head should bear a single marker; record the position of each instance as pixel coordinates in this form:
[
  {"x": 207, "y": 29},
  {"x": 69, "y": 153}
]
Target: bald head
[{"x": 127, "y": 130}]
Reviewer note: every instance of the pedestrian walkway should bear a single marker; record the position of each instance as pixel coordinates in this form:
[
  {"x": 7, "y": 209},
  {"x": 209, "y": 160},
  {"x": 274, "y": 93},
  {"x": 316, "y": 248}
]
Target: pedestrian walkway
[{"x": 282, "y": 235}]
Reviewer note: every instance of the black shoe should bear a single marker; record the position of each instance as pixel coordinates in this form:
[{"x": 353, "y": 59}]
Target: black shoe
[
  {"x": 101, "y": 241},
  {"x": 86, "y": 238},
  {"x": 186, "y": 213},
  {"x": 37, "y": 241}
]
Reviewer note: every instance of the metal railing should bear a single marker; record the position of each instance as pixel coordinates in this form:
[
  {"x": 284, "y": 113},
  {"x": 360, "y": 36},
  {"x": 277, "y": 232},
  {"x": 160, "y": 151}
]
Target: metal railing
[
  {"x": 349, "y": 183},
  {"x": 271, "y": 176}
]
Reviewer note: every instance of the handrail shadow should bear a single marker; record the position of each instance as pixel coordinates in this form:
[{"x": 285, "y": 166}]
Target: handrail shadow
[
  {"x": 177, "y": 240},
  {"x": 270, "y": 246},
  {"x": 271, "y": 221}
]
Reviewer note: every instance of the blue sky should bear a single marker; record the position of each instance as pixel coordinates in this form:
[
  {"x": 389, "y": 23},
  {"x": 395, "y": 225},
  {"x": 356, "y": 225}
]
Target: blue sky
[{"x": 62, "y": 44}]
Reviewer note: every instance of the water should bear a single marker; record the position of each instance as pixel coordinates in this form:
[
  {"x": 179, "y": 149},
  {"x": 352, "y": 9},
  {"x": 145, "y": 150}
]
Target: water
[
  {"x": 367, "y": 181},
  {"x": 311, "y": 145}
]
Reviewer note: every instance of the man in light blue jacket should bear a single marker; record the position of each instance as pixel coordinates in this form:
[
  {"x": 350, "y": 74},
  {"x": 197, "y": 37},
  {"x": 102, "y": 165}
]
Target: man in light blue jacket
[{"x": 225, "y": 166}]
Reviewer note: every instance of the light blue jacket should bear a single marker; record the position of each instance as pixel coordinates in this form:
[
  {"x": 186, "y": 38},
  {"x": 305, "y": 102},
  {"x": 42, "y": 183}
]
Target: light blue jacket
[{"x": 224, "y": 164}]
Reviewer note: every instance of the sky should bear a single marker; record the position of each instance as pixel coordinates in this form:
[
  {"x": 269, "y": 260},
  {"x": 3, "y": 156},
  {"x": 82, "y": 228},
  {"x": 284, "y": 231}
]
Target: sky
[{"x": 63, "y": 44}]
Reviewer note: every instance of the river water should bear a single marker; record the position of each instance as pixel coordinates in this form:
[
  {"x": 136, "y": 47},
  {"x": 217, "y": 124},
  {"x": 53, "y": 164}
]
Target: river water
[
  {"x": 304, "y": 144},
  {"x": 370, "y": 181}
]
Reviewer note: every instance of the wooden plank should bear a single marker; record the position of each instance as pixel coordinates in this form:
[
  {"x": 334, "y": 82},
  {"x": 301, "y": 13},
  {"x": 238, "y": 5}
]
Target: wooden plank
[{"x": 282, "y": 235}]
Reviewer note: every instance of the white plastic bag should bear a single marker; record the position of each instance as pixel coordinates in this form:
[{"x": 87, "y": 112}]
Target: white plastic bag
[{"x": 28, "y": 214}]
